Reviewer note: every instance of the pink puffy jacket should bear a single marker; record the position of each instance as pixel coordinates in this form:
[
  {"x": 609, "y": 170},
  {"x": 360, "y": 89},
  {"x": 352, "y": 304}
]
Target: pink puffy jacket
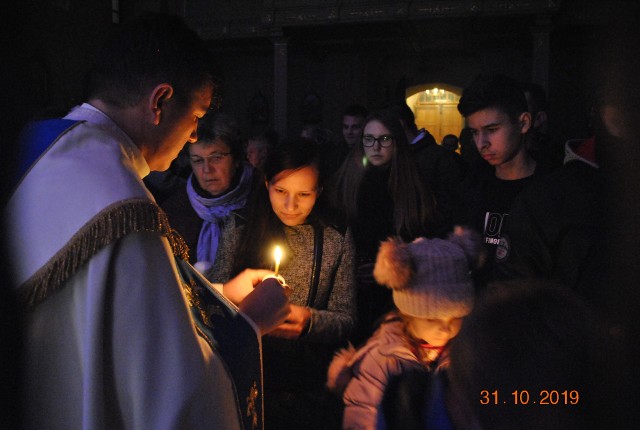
[{"x": 365, "y": 373}]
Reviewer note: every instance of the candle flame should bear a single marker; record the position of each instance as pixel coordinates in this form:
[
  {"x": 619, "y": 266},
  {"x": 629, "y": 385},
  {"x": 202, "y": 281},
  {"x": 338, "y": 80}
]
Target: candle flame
[{"x": 277, "y": 255}]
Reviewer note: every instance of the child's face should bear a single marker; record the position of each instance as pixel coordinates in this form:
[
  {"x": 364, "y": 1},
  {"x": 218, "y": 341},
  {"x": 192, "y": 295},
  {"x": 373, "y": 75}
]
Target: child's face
[{"x": 435, "y": 331}]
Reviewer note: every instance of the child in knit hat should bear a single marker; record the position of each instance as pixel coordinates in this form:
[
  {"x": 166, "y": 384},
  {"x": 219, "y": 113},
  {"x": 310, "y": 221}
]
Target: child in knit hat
[{"x": 433, "y": 291}]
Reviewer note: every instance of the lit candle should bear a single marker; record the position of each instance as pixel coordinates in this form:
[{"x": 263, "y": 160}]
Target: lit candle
[{"x": 277, "y": 254}]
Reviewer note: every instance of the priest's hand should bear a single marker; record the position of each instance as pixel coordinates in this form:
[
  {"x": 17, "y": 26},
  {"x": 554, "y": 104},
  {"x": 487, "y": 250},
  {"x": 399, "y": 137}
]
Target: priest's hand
[
  {"x": 298, "y": 323},
  {"x": 267, "y": 305},
  {"x": 240, "y": 286}
]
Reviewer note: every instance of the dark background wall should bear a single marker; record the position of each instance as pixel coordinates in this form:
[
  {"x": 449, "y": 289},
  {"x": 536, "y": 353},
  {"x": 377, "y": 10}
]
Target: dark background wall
[{"x": 340, "y": 51}]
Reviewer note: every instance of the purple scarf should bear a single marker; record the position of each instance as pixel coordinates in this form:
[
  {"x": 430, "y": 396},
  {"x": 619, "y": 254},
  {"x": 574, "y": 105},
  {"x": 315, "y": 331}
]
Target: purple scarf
[{"x": 214, "y": 211}]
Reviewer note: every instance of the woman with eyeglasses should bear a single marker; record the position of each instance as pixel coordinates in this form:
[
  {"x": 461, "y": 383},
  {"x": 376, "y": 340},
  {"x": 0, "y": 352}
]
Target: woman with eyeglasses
[
  {"x": 206, "y": 210},
  {"x": 380, "y": 193}
]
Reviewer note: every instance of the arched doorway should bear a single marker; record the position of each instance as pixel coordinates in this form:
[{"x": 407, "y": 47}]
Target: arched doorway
[{"x": 435, "y": 106}]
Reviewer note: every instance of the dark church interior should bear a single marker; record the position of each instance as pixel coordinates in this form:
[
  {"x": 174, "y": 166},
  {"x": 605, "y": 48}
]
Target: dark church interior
[{"x": 284, "y": 64}]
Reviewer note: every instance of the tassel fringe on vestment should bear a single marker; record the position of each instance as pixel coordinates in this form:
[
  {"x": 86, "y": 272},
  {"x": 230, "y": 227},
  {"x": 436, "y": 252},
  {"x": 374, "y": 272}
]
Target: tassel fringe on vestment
[{"x": 109, "y": 225}]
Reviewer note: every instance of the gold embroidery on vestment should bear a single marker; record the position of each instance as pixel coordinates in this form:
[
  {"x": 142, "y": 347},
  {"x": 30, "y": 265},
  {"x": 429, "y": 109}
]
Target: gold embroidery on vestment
[
  {"x": 112, "y": 223},
  {"x": 252, "y": 410}
]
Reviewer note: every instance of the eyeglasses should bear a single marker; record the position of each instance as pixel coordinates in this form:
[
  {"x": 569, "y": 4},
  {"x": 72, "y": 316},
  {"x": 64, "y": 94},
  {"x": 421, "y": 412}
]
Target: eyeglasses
[
  {"x": 215, "y": 158},
  {"x": 385, "y": 140}
]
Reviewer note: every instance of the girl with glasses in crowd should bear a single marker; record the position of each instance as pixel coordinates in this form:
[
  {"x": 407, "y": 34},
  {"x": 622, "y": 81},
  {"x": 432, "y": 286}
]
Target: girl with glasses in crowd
[{"x": 379, "y": 192}]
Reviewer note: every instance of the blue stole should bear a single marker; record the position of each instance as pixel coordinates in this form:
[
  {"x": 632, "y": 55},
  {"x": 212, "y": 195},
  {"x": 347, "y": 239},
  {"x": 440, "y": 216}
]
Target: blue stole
[
  {"x": 36, "y": 138},
  {"x": 230, "y": 336}
]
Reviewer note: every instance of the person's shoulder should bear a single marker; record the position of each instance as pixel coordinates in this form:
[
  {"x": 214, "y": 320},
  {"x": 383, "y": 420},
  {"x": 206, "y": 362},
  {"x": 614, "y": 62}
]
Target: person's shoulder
[
  {"x": 392, "y": 341},
  {"x": 92, "y": 155},
  {"x": 100, "y": 143},
  {"x": 572, "y": 174},
  {"x": 426, "y": 147},
  {"x": 386, "y": 351},
  {"x": 338, "y": 239},
  {"x": 241, "y": 215},
  {"x": 335, "y": 227},
  {"x": 439, "y": 153},
  {"x": 550, "y": 191}
]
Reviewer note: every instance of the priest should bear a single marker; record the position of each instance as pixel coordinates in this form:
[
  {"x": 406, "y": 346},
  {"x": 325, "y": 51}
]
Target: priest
[{"x": 113, "y": 334}]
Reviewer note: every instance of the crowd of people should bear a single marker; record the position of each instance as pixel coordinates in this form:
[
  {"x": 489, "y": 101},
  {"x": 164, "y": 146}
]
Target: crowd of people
[{"x": 419, "y": 284}]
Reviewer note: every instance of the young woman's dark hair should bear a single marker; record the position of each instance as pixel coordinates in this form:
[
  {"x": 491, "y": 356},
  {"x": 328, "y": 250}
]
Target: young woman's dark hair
[
  {"x": 412, "y": 198},
  {"x": 263, "y": 228}
]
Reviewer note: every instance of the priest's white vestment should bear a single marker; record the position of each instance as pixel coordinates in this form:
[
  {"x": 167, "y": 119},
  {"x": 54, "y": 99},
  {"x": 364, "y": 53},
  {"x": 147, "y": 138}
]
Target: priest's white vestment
[{"x": 108, "y": 339}]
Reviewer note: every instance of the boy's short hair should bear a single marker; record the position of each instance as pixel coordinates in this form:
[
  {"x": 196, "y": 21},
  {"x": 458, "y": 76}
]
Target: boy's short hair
[
  {"x": 537, "y": 96},
  {"x": 496, "y": 91}
]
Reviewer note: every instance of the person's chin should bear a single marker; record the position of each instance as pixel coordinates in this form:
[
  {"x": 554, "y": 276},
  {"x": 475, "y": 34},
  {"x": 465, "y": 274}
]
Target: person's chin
[
  {"x": 439, "y": 343},
  {"x": 213, "y": 187},
  {"x": 160, "y": 166},
  {"x": 290, "y": 221},
  {"x": 376, "y": 161},
  {"x": 215, "y": 192},
  {"x": 490, "y": 158}
]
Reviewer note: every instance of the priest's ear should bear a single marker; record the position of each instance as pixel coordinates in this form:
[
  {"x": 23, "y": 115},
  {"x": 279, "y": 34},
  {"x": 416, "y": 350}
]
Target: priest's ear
[{"x": 157, "y": 100}]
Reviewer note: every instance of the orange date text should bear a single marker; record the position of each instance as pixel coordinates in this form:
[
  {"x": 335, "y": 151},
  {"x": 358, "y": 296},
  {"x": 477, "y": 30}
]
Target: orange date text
[{"x": 527, "y": 397}]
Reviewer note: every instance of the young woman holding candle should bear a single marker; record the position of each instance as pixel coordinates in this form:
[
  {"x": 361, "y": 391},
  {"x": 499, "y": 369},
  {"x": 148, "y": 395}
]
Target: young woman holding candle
[{"x": 317, "y": 263}]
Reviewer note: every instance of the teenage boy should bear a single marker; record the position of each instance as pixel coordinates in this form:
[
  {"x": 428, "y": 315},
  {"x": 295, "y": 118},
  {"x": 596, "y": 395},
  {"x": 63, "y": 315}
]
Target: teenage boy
[{"x": 496, "y": 113}]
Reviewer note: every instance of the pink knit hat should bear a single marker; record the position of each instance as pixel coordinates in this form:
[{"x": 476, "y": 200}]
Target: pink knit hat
[{"x": 430, "y": 278}]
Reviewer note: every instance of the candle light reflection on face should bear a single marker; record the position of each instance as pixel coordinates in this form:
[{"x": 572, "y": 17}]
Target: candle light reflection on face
[{"x": 277, "y": 254}]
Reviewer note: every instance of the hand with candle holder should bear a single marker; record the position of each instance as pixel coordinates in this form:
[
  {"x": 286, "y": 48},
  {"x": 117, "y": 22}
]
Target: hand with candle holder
[
  {"x": 261, "y": 296},
  {"x": 297, "y": 319}
]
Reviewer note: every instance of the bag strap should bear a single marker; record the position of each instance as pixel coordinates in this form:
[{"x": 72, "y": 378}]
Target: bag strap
[{"x": 318, "y": 237}]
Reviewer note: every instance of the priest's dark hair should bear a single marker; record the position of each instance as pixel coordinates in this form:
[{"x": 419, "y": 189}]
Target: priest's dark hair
[{"x": 148, "y": 50}]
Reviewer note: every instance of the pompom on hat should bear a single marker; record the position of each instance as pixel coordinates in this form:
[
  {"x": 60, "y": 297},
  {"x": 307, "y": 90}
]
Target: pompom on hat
[{"x": 431, "y": 278}]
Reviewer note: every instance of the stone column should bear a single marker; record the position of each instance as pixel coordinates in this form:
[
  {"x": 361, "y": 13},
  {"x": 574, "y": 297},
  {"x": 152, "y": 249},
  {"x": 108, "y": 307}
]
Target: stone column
[
  {"x": 540, "y": 66},
  {"x": 280, "y": 85}
]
